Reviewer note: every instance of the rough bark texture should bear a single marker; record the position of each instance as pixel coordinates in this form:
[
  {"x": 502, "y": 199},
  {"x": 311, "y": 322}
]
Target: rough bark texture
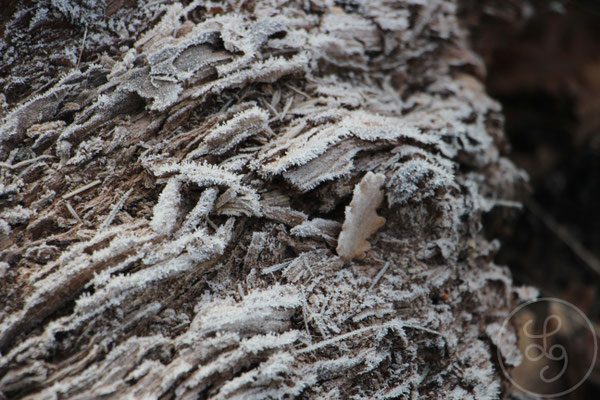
[{"x": 221, "y": 148}]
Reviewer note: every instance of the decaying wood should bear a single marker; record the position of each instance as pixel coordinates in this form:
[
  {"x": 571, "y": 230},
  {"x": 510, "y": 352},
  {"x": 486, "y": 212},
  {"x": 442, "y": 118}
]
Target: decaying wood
[{"x": 208, "y": 152}]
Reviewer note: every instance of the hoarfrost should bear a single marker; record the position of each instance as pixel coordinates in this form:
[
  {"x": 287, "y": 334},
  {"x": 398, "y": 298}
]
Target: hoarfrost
[{"x": 228, "y": 139}]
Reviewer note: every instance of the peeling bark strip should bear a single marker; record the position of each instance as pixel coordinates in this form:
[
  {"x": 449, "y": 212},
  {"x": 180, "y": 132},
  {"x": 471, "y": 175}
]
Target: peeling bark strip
[{"x": 207, "y": 163}]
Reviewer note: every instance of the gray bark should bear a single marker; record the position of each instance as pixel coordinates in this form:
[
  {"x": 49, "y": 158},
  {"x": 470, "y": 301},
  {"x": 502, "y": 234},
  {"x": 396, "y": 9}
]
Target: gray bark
[{"x": 243, "y": 200}]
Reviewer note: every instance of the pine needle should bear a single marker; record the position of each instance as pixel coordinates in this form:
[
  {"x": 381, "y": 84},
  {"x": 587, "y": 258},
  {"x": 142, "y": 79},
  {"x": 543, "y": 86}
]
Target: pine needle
[
  {"x": 379, "y": 275},
  {"x": 81, "y": 189},
  {"x": 113, "y": 213},
  {"x": 82, "y": 47},
  {"x": 72, "y": 211}
]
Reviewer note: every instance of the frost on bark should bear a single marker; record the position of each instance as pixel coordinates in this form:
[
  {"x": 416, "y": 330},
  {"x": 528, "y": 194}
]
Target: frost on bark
[{"x": 173, "y": 187}]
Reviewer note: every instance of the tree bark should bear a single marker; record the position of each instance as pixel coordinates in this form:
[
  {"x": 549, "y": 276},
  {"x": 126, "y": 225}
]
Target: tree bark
[{"x": 243, "y": 200}]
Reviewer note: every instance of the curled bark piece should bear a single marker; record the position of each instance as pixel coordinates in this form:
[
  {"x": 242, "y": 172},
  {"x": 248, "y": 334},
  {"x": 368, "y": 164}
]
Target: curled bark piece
[{"x": 361, "y": 219}]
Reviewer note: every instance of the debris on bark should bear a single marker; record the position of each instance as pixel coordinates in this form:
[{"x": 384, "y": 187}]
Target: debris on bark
[{"x": 361, "y": 219}]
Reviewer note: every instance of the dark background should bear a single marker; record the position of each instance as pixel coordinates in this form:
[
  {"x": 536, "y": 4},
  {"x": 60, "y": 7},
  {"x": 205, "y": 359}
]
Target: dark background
[{"x": 545, "y": 71}]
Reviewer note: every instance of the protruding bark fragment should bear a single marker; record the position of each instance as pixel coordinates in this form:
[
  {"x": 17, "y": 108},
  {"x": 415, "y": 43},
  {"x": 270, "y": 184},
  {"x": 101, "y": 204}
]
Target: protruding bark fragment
[{"x": 361, "y": 218}]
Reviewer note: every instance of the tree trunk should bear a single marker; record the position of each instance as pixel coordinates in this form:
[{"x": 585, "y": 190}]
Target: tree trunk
[{"x": 238, "y": 200}]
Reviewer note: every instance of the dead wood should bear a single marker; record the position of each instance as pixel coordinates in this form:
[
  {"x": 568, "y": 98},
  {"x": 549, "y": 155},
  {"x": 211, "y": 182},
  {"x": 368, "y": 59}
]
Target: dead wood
[{"x": 174, "y": 181}]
